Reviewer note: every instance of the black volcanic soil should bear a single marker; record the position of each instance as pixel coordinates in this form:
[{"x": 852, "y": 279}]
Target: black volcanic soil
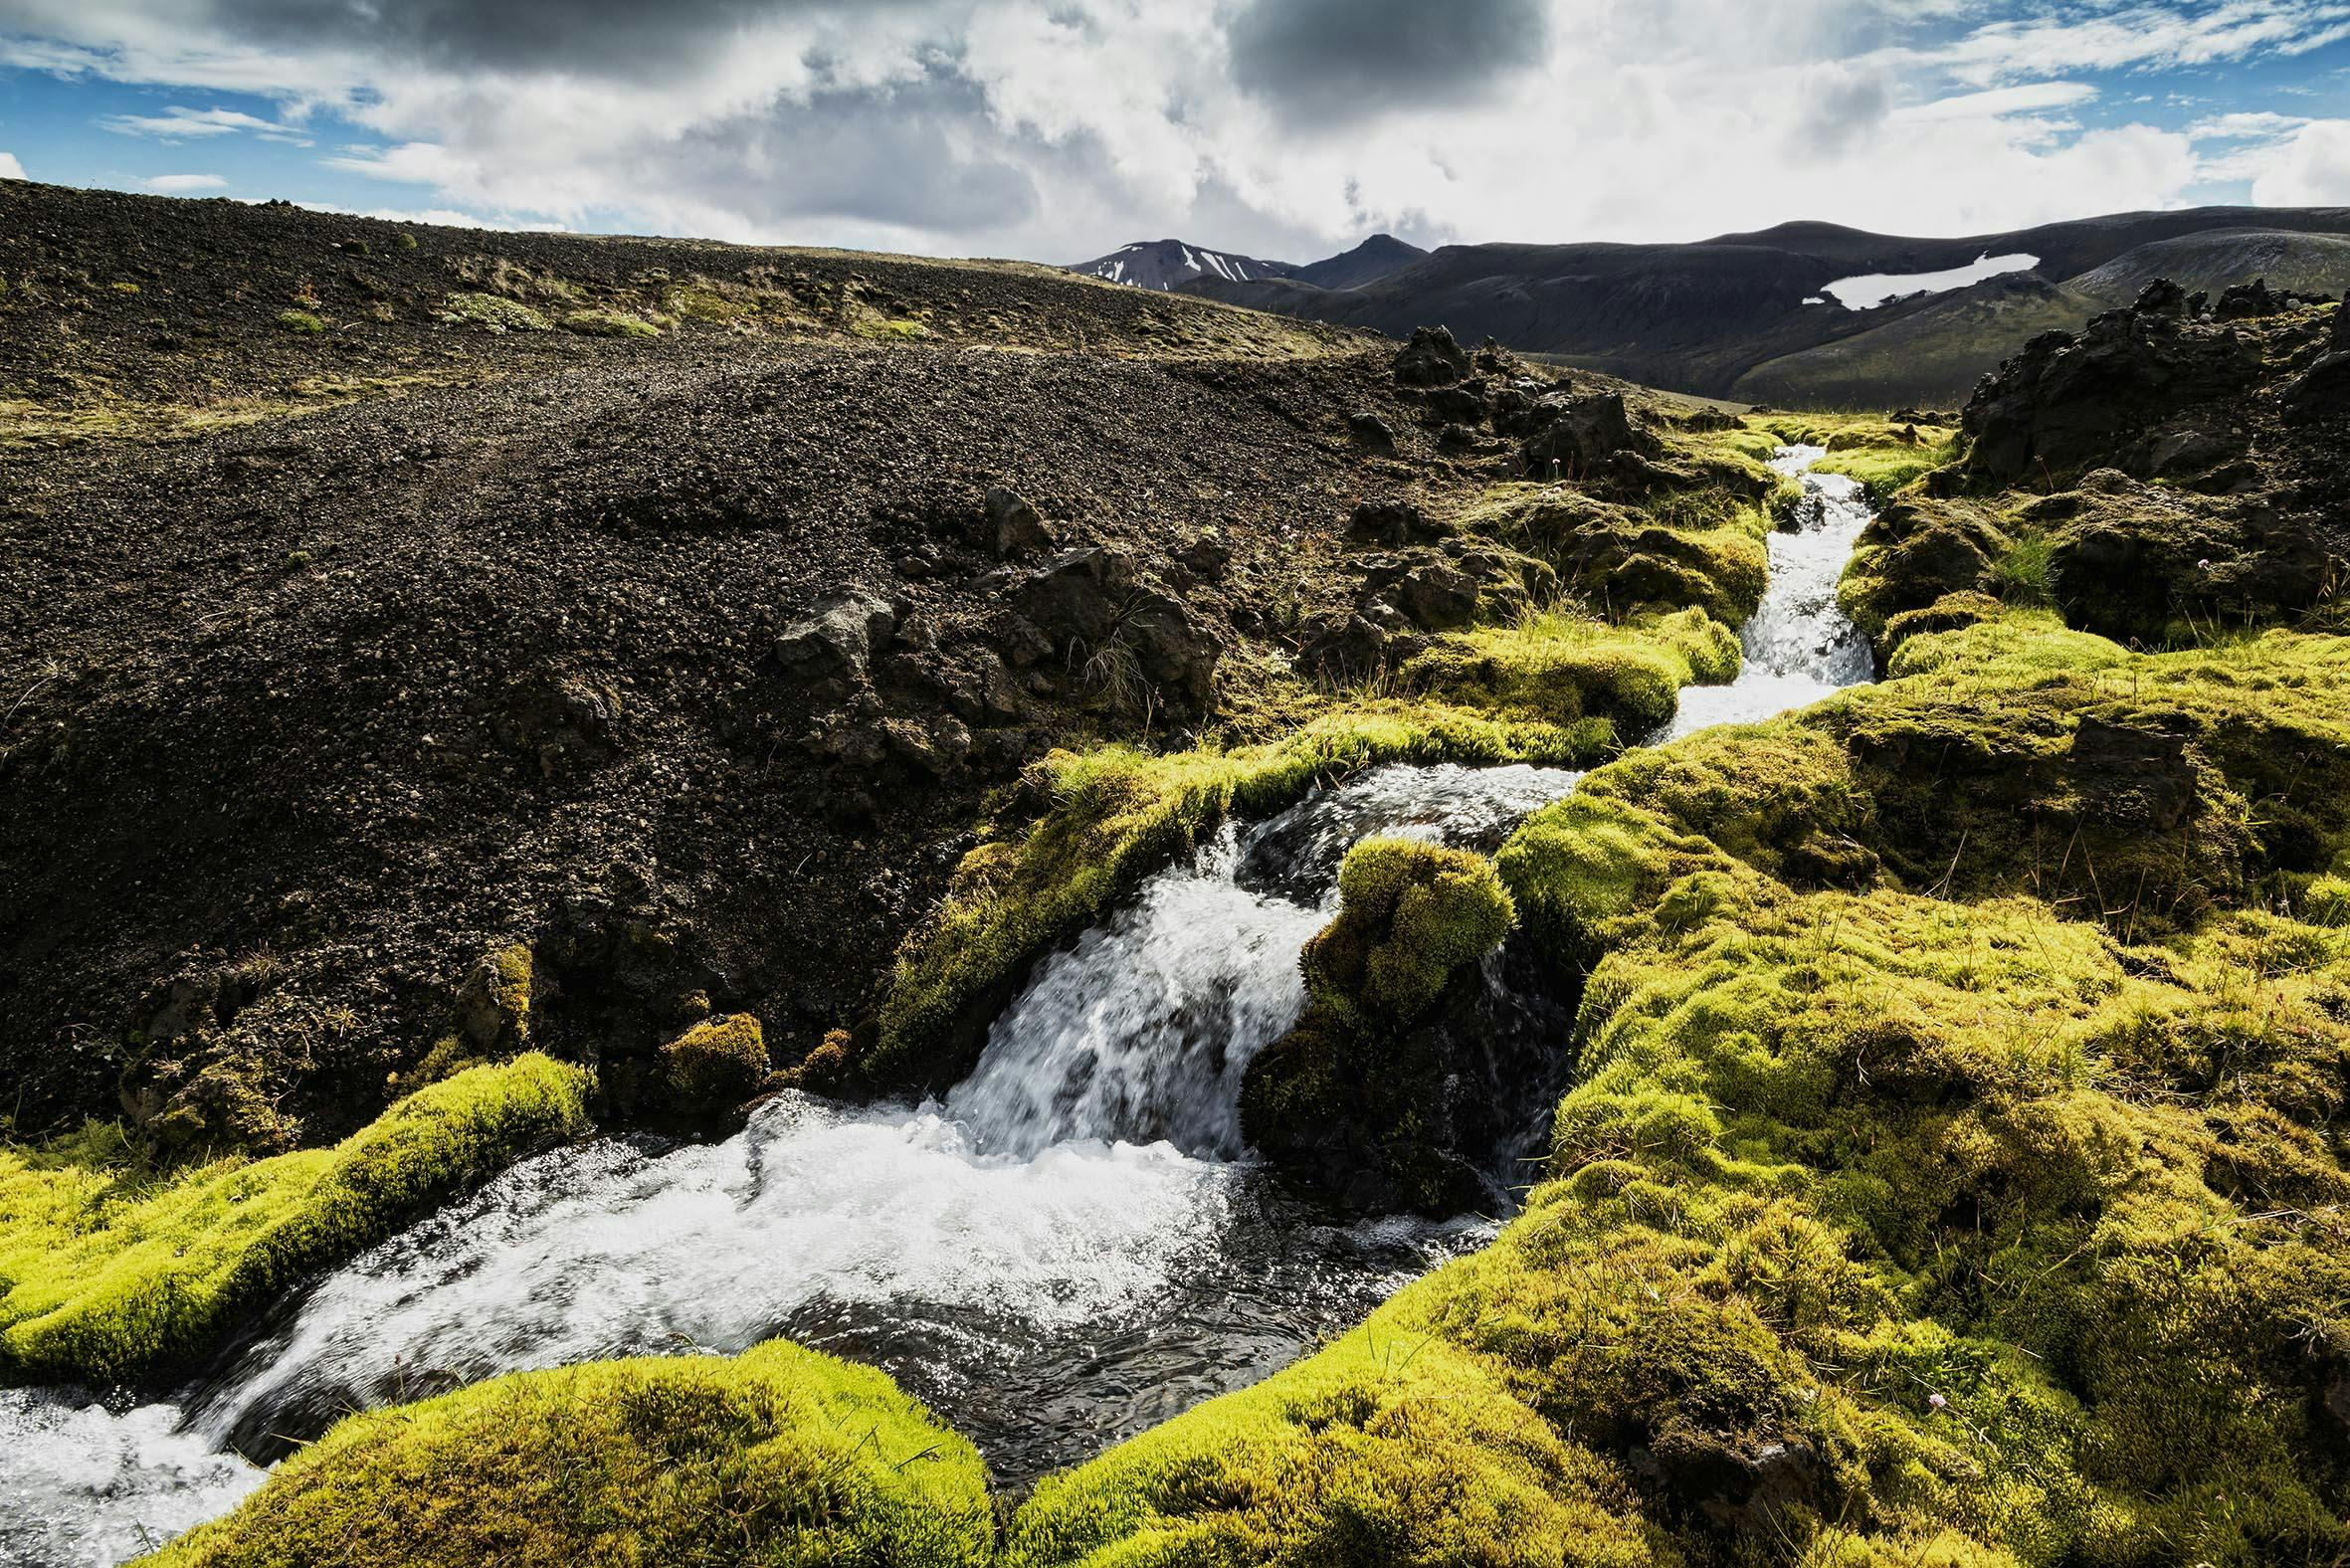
[{"x": 297, "y": 718}]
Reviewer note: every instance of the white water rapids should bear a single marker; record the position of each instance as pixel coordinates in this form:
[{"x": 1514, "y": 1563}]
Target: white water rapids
[{"x": 1070, "y": 1247}]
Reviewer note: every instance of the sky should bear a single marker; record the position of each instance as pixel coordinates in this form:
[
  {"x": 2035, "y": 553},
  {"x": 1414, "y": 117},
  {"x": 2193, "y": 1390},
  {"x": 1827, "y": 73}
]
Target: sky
[{"x": 1060, "y": 130}]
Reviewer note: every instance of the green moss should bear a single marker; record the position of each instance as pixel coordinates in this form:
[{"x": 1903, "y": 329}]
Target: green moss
[
  {"x": 609, "y": 323},
  {"x": 1355, "y": 1095},
  {"x": 1883, "y": 454},
  {"x": 1410, "y": 916},
  {"x": 103, "y": 1274},
  {"x": 492, "y": 314},
  {"x": 1561, "y": 667},
  {"x": 300, "y": 322},
  {"x": 779, "y": 1456},
  {"x": 1389, "y": 1447},
  {"x": 715, "y": 1066},
  {"x": 1702, "y": 549},
  {"x": 1898, "y": 1213},
  {"x": 888, "y": 329}
]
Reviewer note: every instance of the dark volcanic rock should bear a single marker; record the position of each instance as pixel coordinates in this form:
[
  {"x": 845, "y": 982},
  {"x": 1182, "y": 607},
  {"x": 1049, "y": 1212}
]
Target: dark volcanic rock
[
  {"x": 2069, "y": 402},
  {"x": 1575, "y": 434},
  {"x": 1431, "y": 358}
]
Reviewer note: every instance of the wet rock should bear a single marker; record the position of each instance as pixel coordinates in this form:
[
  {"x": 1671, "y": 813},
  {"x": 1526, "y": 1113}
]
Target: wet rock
[
  {"x": 836, "y": 644},
  {"x": 1431, "y": 358},
  {"x": 1370, "y": 432},
  {"x": 1012, "y": 529}
]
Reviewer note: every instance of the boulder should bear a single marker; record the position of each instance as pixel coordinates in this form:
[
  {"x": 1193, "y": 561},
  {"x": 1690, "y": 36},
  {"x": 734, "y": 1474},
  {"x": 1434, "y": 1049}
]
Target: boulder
[
  {"x": 1012, "y": 529},
  {"x": 1388, "y": 522},
  {"x": 1343, "y": 648},
  {"x": 834, "y": 646},
  {"x": 1076, "y": 594},
  {"x": 1572, "y": 436},
  {"x": 1371, "y": 432},
  {"x": 1429, "y": 358}
]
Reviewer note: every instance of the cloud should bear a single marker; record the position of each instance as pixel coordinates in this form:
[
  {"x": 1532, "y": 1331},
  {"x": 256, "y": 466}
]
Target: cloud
[
  {"x": 10, "y": 169},
  {"x": 1059, "y": 129},
  {"x": 2312, "y": 169},
  {"x": 1345, "y": 59},
  {"x": 2000, "y": 101},
  {"x": 175, "y": 184},
  {"x": 180, "y": 125}
]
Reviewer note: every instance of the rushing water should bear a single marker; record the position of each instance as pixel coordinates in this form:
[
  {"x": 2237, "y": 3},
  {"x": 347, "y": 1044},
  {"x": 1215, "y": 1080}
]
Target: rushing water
[{"x": 1070, "y": 1247}]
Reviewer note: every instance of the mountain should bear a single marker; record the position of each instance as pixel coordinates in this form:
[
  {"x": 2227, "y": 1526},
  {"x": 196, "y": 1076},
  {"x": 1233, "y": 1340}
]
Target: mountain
[
  {"x": 1752, "y": 315},
  {"x": 1170, "y": 264},
  {"x": 1374, "y": 259}
]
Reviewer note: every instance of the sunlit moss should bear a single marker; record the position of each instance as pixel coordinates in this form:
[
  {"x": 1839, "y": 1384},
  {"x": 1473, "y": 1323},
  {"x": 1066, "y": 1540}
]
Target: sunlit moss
[
  {"x": 105, "y": 1274},
  {"x": 778, "y": 1457}
]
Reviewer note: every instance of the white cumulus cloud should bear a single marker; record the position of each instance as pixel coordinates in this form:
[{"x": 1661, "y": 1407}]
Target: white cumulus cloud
[
  {"x": 180, "y": 184},
  {"x": 2311, "y": 169},
  {"x": 10, "y": 169}
]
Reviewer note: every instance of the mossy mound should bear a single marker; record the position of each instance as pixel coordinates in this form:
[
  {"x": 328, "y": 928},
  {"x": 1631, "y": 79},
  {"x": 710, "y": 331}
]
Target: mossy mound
[
  {"x": 1392, "y": 1446},
  {"x": 1914, "y": 551},
  {"x": 714, "y": 1066},
  {"x": 1701, "y": 551},
  {"x": 1356, "y": 1099},
  {"x": 1886, "y": 454},
  {"x": 1560, "y": 668},
  {"x": 778, "y": 1457},
  {"x": 104, "y": 1275}
]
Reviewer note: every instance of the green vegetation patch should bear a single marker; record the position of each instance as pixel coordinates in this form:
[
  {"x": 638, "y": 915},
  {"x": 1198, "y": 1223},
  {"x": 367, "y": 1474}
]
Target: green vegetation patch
[
  {"x": 1884, "y": 454},
  {"x": 1392, "y": 1446},
  {"x": 1563, "y": 667},
  {"x": 107, "y": 1275},
  {"x": 301, "y": 322},
  {"x": 609, "y": 323},
  {"x": 714, "y": 1066},
  {"x": 780, "y": 1456},
  {"x": 492, "y": 314}
]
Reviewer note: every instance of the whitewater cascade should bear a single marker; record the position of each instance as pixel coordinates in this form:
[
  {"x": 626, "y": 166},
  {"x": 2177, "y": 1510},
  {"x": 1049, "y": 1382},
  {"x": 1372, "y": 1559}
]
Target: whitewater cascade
[{"x": 1067, "y": 1249}]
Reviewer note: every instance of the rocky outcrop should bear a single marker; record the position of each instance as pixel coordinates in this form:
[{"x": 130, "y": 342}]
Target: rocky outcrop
[
  {"x": 2071, "y": 402},
  {"x": 1431, "y": 358}
]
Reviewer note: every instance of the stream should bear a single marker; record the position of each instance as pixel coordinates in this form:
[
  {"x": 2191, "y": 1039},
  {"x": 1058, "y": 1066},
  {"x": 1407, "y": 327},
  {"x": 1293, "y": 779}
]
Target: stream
[{"x": 1071, "y": 1247}]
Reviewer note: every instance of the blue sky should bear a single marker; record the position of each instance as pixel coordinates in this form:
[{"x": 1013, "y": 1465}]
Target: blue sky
[{"x": 1281, "y": 127}]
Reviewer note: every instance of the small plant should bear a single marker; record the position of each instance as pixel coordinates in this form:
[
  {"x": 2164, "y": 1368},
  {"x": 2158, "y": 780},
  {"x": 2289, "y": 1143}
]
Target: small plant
[
  {"x": 300, "y": 322},
  {"x": 407, "y": 241},
  {"x": 124, "y": 289}
]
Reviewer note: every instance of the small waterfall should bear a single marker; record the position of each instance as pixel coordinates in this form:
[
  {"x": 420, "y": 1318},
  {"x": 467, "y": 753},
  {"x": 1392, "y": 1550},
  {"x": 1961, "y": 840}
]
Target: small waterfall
[
  {"x": 1799, "y": 645},
  {"x": 1066, "y": 1251}
]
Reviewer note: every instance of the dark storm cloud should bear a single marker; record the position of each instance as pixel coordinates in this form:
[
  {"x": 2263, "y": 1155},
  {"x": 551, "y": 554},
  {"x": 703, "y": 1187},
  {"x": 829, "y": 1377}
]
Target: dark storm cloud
[
  {"x": 1345, "y": 59},
  {"x": 597, "y": 36}
]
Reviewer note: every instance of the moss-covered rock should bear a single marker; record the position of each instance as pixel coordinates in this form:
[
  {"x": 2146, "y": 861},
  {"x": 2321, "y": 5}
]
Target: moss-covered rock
[
  {"x": 779, "y": 1456},
  {"x": 107, "y": 1271},
  {"x": 1361, "y": 1100},
  {"x": 715, "y": 1066},
  {"x": 1561, "y": 669}
]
